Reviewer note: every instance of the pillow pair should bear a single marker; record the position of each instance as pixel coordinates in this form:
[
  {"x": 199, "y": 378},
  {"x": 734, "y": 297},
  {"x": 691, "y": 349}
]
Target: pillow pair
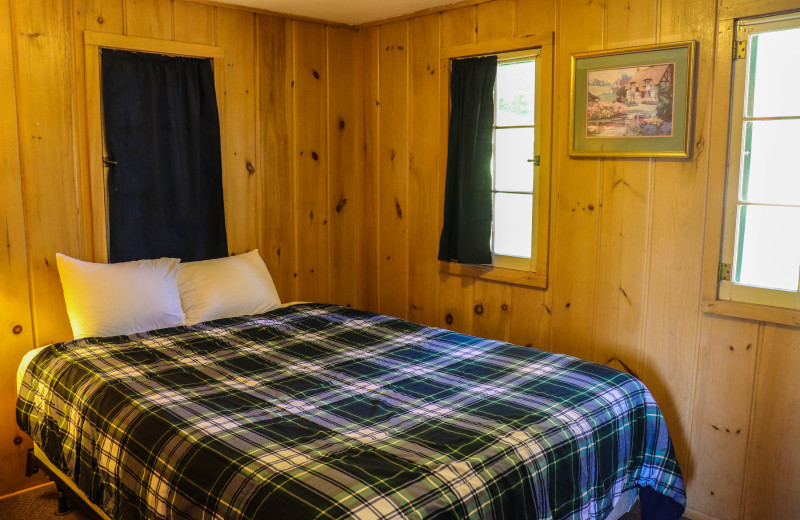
[{"x": 131, "y": 297}]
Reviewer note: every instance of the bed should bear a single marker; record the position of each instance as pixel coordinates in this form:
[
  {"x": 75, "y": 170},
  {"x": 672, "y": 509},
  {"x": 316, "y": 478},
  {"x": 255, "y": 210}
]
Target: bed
[{"x": 321, "y": 411}]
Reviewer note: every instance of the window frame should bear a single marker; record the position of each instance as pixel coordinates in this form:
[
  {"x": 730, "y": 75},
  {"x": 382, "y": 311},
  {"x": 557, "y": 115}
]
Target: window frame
[
  {"x": 741, "y": 80},
  {"x": 507, "y": 261},
  {"x": 95, "y": 225},
  {"x": 717, "y": 167},
  {"x": 534, "y": 271}
]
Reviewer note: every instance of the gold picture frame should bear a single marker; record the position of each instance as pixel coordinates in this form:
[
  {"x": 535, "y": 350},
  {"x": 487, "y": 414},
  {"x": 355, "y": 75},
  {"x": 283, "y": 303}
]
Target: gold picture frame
[{"x": 632, "y": 102}]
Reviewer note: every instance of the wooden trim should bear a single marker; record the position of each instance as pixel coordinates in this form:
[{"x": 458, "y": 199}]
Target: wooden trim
[
  {"x": 697, "y": 515},
  {"x": 497, "y": 274},
  {"x": 92, "y": 42},
  {"x": 267, "y": 12},
  {"x": 26, "y": 490},
  {"x": 497, "y": 46},
  {"x": 136, "y": 43},
  {"x": 752, "y": 311},
  {"x": 729, "y": 10},
  {"x": 424, "y": 12}
]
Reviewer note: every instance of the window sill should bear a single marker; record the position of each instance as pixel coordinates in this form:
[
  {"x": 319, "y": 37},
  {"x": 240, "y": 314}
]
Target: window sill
[
  {"x": 752, "y": 311},
  {"x": 499, "y": 274}
]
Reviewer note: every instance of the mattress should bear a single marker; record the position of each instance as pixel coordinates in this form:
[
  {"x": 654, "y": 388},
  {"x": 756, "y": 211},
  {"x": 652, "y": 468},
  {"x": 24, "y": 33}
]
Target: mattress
[{"x": 318, "y": 411}]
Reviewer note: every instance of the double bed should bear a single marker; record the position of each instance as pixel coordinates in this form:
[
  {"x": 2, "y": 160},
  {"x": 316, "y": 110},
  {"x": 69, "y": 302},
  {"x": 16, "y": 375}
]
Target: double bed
[{"x": 321, "y": 411}]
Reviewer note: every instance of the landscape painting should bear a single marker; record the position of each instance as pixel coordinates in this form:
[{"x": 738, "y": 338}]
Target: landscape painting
[{"x": 630, "y": 101}]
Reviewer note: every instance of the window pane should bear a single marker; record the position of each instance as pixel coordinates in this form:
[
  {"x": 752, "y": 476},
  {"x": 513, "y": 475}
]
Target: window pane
[
  {"x": 773, "y": 85},
  {"x": 513, "y": 150},
  {"x": 515, "y": 99},
  {"x": 770, "y": 170},
  {"x": 769, "y": 253},
  {"x": 512, "y": 224}
]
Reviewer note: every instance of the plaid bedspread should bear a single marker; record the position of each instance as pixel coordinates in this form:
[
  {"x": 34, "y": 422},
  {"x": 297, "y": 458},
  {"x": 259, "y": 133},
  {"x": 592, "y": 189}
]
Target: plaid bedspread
[{"x": 318, "y": 411}]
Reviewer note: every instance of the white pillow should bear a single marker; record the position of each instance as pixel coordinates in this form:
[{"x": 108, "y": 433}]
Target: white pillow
[
  {"x": 123, "y": 298},
  {"x": 226, "y": 287}
]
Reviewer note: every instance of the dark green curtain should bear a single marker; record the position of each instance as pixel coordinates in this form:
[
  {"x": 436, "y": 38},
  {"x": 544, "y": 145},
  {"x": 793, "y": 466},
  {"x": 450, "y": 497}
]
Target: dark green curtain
[
  {"x": 467, "y": 228},
  {"x": 162, "y": 129}
]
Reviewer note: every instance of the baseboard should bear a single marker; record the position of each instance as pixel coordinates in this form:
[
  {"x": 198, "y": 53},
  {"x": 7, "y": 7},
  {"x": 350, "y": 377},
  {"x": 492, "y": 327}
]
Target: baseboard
[
  {"x": 691, "y": 514},
  {"x": 26, "y": 490}
]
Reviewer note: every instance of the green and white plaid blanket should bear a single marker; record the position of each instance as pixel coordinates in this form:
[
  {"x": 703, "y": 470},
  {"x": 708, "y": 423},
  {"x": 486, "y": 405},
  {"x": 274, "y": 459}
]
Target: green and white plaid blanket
[{"x": 318, "y": 411}]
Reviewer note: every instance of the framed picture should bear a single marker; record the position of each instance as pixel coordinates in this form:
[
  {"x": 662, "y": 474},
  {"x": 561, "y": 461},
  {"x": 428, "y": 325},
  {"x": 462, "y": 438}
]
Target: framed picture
[{"x": 633, "y": 102}]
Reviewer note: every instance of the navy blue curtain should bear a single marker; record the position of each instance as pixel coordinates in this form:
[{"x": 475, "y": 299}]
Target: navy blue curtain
[
  {"x": 467, "y": 227},
  {"x": 161, "y": 128}
]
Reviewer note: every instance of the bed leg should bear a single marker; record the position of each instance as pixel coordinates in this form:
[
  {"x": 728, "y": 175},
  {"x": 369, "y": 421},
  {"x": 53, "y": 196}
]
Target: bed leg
[{"x": 63, "y": 507}]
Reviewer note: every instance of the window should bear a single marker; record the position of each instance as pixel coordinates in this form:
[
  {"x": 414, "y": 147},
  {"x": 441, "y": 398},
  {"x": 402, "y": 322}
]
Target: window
[
  {"x": 761, "y": 254},
  {"x": 520, "y": 164},
  {"x": 514, "y": 162}
]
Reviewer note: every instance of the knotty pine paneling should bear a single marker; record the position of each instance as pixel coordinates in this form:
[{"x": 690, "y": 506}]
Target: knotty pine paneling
[
  {"x": 16, "y": 332},
  {"x": 625, "y": 256},
  {"x": 44, "y": 203},
  {"x": 277, "y": 240},
  {"x": 626, "y": 234},
  {"x": 343, "y": 141},
  {"x": 310, "y": 159},
  {"x": 236, "y": 34}
]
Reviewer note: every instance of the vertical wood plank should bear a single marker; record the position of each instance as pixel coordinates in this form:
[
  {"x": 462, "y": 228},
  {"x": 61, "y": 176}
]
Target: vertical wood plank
[
  {"x": 455, "y": 302},
  {"x": 342, "y": 156},
  {"x": 275, "y": 119},
  {"x": 394, "y": 169},
  {"x": 575, "y": 220},
  {"x": 459, "y": 26},
  {"x": 773, "y": 461},
  {"x": 491, "y": 310},
  {"x": 496, "y": 20},
  {"x": 676, "y": 236},
  {"x": 369, "y": 227},
  {"x": 148, "y": 18},
  {"x": 423, "y": 196},
  {"x": 529, "y": 318},
  {"x": 624, "y": 225},
  {"x": 16, "y": 332},
  {"x": 45, "y": 82},
  {"x": 97, "y": 16},
  {"x": 194, "y": 23},
  {"x": 311, "y": 188},
  {"x": 535, "y": 16},
  {"x": 236, "y": 33},
  {"x": 721, "y": 411}
]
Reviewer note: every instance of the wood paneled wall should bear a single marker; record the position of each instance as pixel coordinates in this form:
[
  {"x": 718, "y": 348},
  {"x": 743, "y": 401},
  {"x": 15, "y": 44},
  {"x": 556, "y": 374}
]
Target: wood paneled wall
[
  {"x": 290, "y": 123},
  {"x": 333, "y": 148},
  {"x": 627, "y": 238}
]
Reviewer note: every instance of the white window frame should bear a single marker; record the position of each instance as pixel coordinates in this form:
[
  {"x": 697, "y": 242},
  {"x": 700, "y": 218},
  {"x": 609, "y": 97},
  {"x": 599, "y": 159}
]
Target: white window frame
[
  {"x": 727, "y": 288},
  {"x": 514, "y": 262}
]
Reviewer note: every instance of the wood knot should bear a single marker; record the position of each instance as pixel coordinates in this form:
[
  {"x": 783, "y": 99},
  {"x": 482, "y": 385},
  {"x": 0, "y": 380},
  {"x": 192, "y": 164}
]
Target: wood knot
[
  {"x": 398, "y": 208},
  {"x": 449, "y": 319},
  {"x": 316, "y": 74},
  {"x": 341, "y": 124},
  {"x": 17, "y": 440},
  {"x": 478, "y": 309},
  {"x": 504, "y": 307},
  {"x": 100, "y": 19},
  {"x": 314, "y": 156},
  {"x": 340, "y": 204},
  {"x": 17, "y": 329},
  {"x": 250, "y": 168}
]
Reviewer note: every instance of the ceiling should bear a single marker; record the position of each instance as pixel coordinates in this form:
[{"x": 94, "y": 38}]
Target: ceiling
[{"x": 351, "y": 12}]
